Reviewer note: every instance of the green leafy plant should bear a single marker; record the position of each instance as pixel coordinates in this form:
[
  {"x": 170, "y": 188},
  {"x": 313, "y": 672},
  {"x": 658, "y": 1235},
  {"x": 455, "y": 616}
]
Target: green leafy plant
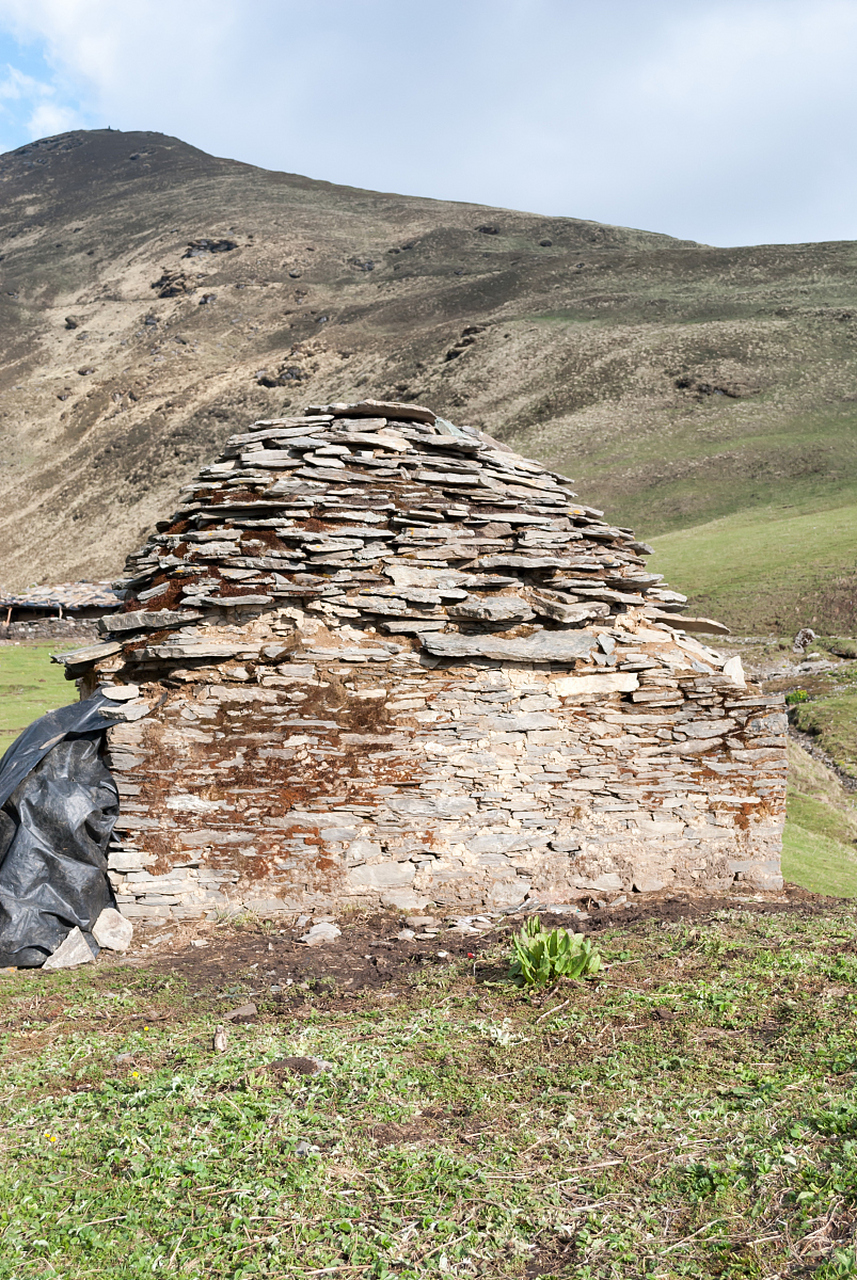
[
  {"x": 539, "y": 957},
  {"x": 842, "y": 1263},
  {"x": 796, "y": 696}
]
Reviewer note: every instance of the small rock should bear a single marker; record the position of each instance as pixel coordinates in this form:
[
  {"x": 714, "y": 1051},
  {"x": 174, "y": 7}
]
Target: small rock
[
  {"x": 803, "y": 639},
  {"x": 422, "y": 922},
  {"x": 734, "y": 670},
  {"x": 647, "y": 883},
  {"x": 243, "y": 1013},
  {"x": 492, "y": 609},
  {"x": 119, "y": 692},
  {"x": 405, "y": 935},
  {"x": 112, "y": 930},
  {"x": 324, "y": 931},
  {"x": 221, "y": 1040},
  {"x": 404, "y": 900},
  {"x": 72, "y": 951}
]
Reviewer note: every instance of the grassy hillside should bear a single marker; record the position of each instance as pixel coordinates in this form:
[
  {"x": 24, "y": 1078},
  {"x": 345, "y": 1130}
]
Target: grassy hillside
[
  {"x": 777, "y": 567},
  {"x": 820, "y": 839},
  {"x": 684, "y": 387}
]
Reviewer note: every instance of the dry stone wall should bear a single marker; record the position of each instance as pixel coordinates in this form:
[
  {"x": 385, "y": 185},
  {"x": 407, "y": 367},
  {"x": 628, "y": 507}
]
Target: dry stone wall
[{"x": 377, "y": 658}]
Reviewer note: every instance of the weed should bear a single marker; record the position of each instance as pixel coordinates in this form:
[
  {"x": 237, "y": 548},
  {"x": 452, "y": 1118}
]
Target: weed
[
  {"x": 539, "y": 957},
  {"x": 843, "y": 1263}
]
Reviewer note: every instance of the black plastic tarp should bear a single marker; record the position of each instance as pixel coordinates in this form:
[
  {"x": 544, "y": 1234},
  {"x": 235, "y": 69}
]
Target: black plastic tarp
[{"x": 58, "y": 806}]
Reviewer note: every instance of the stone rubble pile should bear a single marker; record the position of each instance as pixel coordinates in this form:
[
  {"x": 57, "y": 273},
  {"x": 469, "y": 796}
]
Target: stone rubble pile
[{"x": 375, "y": 657}]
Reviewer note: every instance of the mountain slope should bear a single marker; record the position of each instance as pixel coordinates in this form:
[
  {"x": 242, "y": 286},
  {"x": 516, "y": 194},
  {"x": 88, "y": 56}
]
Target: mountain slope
[{"x": 679, "y": 384}]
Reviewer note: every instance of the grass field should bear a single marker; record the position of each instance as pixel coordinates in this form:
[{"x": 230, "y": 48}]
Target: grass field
[
  {"x": 818, "y": 862},
  {"x": 820, "y": 839},
  {"x": 30, "y": 685},
  {"x": 690, "y": 1113},
  {"x": 771, "y": 569}
]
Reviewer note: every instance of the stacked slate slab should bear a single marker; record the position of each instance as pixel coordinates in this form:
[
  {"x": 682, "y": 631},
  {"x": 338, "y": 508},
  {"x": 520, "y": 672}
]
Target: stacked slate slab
[{"x": 376, "y": 658}]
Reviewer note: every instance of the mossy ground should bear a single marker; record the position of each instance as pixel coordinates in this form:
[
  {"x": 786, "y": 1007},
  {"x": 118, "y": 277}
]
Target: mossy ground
[{"x": 689, "y": 1113}]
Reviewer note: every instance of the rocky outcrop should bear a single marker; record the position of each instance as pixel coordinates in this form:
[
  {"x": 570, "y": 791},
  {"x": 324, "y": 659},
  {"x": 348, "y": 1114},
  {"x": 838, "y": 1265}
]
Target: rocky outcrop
[{"x": 376, "y": 657}]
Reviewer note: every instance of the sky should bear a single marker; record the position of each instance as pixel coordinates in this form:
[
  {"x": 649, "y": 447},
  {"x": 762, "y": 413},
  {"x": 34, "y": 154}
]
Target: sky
[{"x": 724, "y": 121}]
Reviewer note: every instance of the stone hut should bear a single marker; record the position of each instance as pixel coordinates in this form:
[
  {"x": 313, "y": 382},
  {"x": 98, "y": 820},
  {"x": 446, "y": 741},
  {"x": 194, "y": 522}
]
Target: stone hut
[
  {"x": 376, "y": 658},
  {"x": 86, "y": 600}
]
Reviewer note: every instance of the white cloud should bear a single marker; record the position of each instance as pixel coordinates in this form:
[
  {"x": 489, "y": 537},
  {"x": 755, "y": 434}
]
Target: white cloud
[
  {"x": 50, "y": 118},
  {"x": 17, "y": 84},
  {"x": 31, "y": 104},
  {"x": 723, "y": 120}
]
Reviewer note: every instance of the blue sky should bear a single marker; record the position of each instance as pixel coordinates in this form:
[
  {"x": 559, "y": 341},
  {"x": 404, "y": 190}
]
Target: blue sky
[{"x": 725, "y": 121}]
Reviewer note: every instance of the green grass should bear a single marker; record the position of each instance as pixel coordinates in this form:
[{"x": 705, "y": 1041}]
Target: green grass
[
  {"x": 820, "y": 837},
  {"x": 30, "y": 685},
  {"x": 771, "y": 569},
  {"x": 690, "y": 1114},
  {"x": 818, "y": 862},
  {"x": 834, "y": 720},
  {"x": 814, "y": 813}
]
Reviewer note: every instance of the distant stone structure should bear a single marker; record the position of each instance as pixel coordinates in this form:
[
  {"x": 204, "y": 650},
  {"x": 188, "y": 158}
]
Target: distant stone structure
[
  {"x": 376, "y": 658},
  {"x": 51, "y": 612}
]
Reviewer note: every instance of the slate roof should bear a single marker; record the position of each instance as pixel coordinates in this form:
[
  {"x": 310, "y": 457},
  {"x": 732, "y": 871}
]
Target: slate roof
[
  {"x": 392, "y": 517},
  {"x": 68, "y": 595}
]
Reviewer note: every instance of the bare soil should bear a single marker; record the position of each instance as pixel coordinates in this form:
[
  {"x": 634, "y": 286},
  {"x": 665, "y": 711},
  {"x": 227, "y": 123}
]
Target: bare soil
[{"x": 262, "y": 961}]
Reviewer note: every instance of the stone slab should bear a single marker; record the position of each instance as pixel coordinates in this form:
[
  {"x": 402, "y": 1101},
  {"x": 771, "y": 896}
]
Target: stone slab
[
  {"x": 73, "y": 951},
  {"x": 544, "y": 646}
]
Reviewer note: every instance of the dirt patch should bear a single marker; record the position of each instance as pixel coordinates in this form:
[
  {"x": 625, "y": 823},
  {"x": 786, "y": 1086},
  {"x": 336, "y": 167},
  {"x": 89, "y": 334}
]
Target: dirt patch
[
  {"x": 395, "y": 1135},
  {"x": 296, "y": 1065},
  {"x": 266, "y": 960},
  {"x": 552, "y": 1258}
]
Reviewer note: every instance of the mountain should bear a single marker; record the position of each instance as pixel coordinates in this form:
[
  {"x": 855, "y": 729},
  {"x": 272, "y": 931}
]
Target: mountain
[{"x": 154, "y": 299}]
